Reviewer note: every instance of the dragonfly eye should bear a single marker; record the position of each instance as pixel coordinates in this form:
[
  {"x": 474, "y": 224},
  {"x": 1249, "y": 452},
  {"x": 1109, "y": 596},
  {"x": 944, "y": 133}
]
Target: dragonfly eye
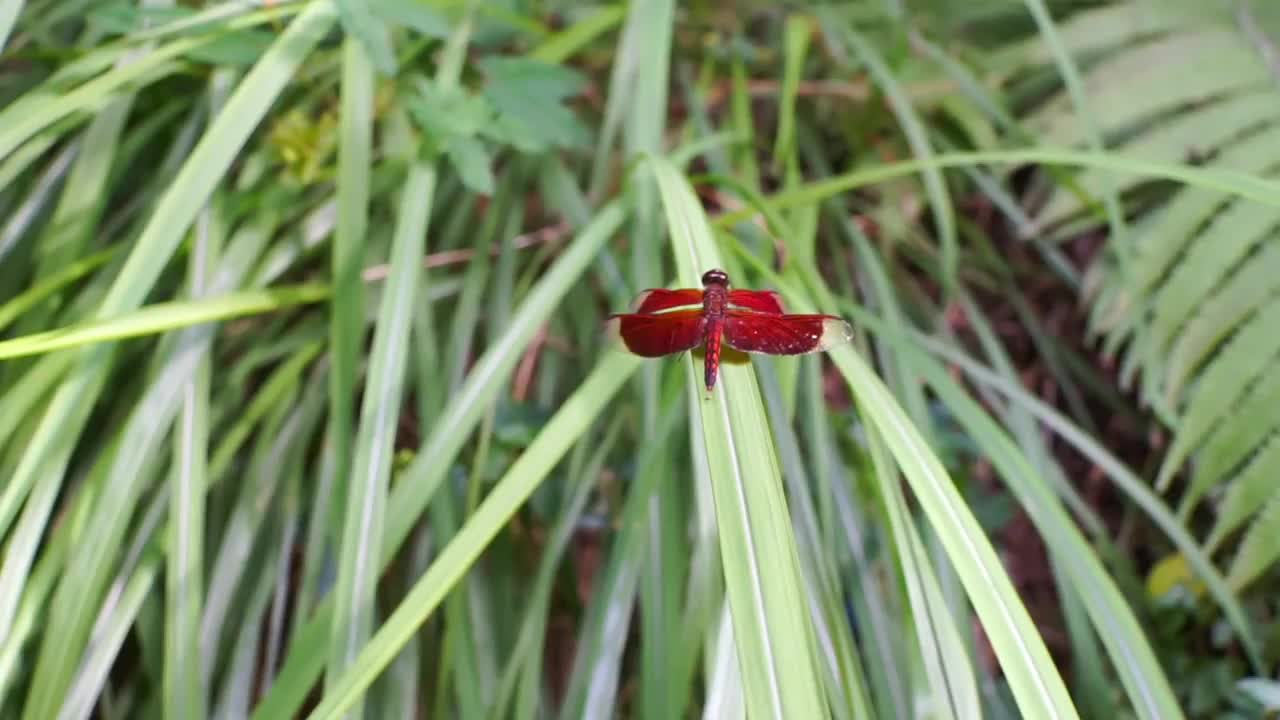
[{"x": 717, "y": 277}]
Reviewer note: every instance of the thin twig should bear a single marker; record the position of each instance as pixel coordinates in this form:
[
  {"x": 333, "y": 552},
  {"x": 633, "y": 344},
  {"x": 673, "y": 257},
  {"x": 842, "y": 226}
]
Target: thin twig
[
  {"x": 524, "y": 373},
  {"x": 857, "y": 90},
  {"x": 541, "y": 236}
]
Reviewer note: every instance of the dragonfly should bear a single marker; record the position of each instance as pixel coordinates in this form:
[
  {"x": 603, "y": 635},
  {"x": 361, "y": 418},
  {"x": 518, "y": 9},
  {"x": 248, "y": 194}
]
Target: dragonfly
[{"x": 665, "y": 322}]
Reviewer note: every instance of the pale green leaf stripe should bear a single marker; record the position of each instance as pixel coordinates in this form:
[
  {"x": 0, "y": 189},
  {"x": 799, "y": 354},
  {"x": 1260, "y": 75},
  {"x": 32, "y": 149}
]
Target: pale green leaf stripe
[
  {"x": 845, "y": 678},
  {"x": 52, "y": 283},
  {"x": 9, "y": 10},
  {"x": 78, "y": 210},
  {"x": 182, "y": 681},
  {"x": 775, "y": 640},
  {"x": 214, "y": 154},
  {"x": 643, "y": 99},
  {"x": 32, "y": 612},
  {"x": 183, "y": 690},
  {"x": 34, "y": 112},
  {"x": 413, "y": 491},
  {"x": 365, "y": 483},
  {"x": 625, "y": 67},
  {"x": 1251, "y": 187},
  {"x": 1131, "y": 654},
  {"x": 25, "y": 216},
  {"x": 16, "y": 406},
  {"x": 559, "y": 46},
  {"x": 163, "y": 317},
  {"x": 557, "y": 436},
  {"x": 358, "y": 573},
  {"x": 43, "y": 107},
  {"x": 346, "y": 255},
  {"x": 646, "y": 96},
  {"x": 946, "y": 661},
  {"x": 1129, "y": 483},
  {"x": 50, "y": 446},
  {"x": 226, "y": 16},
  {"x": 1032, "y": 676},
  {"x": 948, "y": 671},
  {"x": 111, "y": 632},
  {"x": 81, "y": 206},
  {"x": 128, "y": 469},
  {"x": 1107, "y": 609}
]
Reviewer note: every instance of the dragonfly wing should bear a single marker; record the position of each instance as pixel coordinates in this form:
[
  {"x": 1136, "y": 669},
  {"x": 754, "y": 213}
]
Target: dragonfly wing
[
  {"x": 784, "y": 334},
  {"x": 661, "y": 334},
  {"x": 764, "y": 301},
  {"x": 659, "y": 299}
]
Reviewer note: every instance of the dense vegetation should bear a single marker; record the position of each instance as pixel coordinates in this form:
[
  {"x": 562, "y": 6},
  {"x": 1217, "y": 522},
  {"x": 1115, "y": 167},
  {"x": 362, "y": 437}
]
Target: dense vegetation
[{"x": 305, "y": 407}]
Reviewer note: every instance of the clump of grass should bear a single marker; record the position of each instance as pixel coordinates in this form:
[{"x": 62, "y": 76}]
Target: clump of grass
[{"x": 292, "y": 424}]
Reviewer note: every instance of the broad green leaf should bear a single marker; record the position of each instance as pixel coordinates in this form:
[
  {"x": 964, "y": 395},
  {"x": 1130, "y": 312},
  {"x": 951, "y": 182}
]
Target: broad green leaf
[
  {"x": 359, "y": 21},
  {"x": 1212, "y": 126},
  {"x": 238, "y": 48},
  {"x": 415, "y": 14},
  {"x": 471, "y": 160},
  {"x": 515, "y": 77},
  {"x": 124, "y": 18},
  {"x": 447, "y": 110},
  {"x": 530, "y": 95}
]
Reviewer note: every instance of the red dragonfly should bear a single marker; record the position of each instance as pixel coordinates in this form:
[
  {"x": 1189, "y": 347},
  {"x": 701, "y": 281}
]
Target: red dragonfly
[{"x": 663, "y": 322}]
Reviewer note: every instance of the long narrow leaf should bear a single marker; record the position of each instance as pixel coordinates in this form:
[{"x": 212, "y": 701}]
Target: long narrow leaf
[{"x": 770, "y": 617}]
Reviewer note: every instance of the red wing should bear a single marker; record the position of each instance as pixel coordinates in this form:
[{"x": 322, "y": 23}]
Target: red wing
[
  {"x": 658, "y": 299},
  {"x": 784, "y": 334},
  {"x": 657, "y": 335},
  {"x": 764, "y": 301}
]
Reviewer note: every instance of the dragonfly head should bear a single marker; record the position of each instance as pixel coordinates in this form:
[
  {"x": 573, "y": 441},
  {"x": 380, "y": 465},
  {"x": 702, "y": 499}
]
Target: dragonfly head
[{"x": 715, "y": 277}]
